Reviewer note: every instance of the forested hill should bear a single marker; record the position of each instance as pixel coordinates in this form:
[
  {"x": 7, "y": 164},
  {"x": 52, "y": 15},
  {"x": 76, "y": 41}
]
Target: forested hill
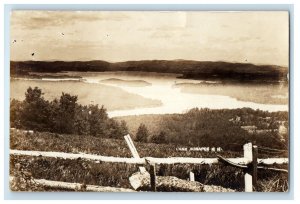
[{"x": 187, "y": 68}]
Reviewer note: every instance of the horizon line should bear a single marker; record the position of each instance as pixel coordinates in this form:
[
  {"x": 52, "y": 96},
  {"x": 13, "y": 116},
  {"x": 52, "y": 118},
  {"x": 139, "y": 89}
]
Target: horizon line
[{"x": 113, "y": 62}]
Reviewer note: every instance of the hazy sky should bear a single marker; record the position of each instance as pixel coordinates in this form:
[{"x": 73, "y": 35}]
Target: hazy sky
[{"x": 255, "y": 37}]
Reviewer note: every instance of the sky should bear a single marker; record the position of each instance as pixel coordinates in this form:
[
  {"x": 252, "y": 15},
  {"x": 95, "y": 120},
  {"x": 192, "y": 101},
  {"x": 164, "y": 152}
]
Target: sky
[{"x": 114, "y": 36}]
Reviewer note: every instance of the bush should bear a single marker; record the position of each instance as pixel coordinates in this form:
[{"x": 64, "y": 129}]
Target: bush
[
  {"x": 160, "y": 138},
  {"x": 35, "y": 111},
  {"x": 142, "y": 133}
]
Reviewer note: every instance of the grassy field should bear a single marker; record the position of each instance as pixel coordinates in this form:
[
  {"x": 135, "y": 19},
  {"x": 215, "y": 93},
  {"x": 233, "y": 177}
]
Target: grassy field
[
  {"x": 115, "y": 174},
  {"x": 43, "y": 141}
]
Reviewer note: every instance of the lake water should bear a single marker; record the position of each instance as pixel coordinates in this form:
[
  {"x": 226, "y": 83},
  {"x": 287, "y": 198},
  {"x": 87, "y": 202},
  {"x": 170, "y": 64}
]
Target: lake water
[{"x": 173, "y": 99}]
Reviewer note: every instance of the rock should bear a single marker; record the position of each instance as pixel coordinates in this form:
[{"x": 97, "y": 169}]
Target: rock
[
  {"x": 141, "y": 182},
  {"x": 138, "y": 179}
]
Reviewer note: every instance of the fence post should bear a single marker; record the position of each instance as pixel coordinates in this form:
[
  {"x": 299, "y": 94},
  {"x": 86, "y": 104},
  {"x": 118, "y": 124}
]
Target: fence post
[
  {"x": 254, "y": 167},
  {"x": 133, "y": 151},
  {"x": 248, "y": 156},
  {"x": 153, "y": 177},
  {"x": 192, "y": 176}
]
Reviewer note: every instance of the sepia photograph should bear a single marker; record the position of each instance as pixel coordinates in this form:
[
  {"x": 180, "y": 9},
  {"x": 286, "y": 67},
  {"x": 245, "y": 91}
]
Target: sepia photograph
[{"x": 149, "y": 101}]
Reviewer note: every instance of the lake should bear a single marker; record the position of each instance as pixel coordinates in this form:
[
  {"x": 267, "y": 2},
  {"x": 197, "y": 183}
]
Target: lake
[{"x": 137, "y": 93}]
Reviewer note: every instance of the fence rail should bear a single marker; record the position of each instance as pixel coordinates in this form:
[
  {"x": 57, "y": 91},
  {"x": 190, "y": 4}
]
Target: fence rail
[
  {"x": 76, "y": 186},
  {"x": 145, "y": 160}
]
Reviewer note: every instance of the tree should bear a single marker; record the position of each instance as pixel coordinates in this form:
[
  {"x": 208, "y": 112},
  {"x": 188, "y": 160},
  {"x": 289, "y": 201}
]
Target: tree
[
  {"x": 142, "y": 133},
  {"x": 33, "y": 95},
  {"x": 117, "y": 130},
  {"x": 66, "y": 114},
  {"x": 81, "y": 122},
  {"x": 97, "y": 120},
  {"x": 16, "y": 109},
  {"x": 54, "y": 116},
  {"x": 124, "y": 128},
  {"x": 160, "y": 138},
  {"x": 35, "y": 114},
  {"x": 113, "y": 129}
]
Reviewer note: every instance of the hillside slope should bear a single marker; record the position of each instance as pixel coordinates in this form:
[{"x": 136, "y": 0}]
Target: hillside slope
[{"x": 188, "y": 68}]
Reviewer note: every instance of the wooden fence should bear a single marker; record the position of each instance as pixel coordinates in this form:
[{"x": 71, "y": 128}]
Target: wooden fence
[{"x": 249, "y": 163}]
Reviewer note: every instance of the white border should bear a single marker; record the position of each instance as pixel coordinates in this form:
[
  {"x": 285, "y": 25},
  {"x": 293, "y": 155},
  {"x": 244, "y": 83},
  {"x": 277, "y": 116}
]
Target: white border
[{"x": 296, "y": 75}]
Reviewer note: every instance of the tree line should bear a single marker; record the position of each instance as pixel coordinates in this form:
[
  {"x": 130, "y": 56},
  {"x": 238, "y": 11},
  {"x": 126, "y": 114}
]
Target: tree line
[
  {"x": 63, "y": 116},
  {"x": 66, "y": 116},
  {"x": 212, "y": 128}
]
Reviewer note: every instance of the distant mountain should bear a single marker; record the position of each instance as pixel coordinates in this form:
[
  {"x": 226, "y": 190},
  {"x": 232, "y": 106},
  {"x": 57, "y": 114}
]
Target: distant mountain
[
  {"x": 24, "y": 67},
  {"x": 187, "y": 68}
]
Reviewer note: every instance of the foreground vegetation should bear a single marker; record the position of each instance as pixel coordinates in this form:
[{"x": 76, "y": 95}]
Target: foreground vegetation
[{"x": 117, "y": 174}]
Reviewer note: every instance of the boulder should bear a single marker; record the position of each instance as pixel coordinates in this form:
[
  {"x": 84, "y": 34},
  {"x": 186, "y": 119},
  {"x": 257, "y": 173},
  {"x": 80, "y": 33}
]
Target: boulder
[{"x": 141, "y": 182}]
